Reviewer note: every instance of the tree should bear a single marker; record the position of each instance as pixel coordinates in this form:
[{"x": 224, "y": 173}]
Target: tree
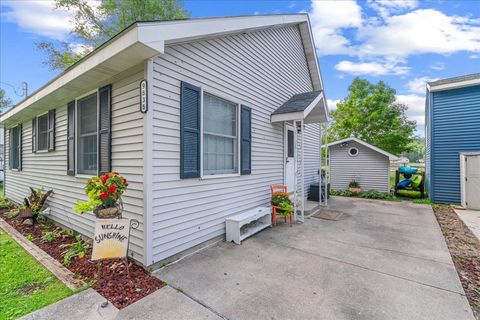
[
  {"x": 371, "y": 113},
  {"x": 4, "y": 101},
  {"x": 416, "y": 149},
  {"x": 94, "y": 25}
]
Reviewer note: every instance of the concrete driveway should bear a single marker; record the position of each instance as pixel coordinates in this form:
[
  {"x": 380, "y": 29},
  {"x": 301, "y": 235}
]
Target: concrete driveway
[{"x": 383, "y": 260}]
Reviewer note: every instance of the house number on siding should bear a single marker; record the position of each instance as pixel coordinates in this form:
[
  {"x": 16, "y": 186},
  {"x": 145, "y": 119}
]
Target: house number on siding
[{"x": 143, "y": 96}]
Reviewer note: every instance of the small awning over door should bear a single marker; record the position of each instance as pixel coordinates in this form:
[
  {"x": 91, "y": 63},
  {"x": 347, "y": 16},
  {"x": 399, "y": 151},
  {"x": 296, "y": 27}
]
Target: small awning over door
[{"x": 310, "y": 107}]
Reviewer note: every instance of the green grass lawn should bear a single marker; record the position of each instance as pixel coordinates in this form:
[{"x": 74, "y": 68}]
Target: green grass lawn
[
  {"x": 1, "y": 189},
  {"x": 25, "y": 285}
]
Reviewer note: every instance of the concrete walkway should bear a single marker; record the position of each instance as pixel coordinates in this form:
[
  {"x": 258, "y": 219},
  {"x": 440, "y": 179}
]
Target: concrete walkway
[
  {"x": 383, "y": 260},
  {"x": 471, "y": 218}
]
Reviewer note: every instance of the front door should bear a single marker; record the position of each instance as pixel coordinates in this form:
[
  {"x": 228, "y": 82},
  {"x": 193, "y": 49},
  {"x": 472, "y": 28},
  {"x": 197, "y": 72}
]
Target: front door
[
  {"x": 290, "y": 136},
  {"x": 472, "y": 182}
]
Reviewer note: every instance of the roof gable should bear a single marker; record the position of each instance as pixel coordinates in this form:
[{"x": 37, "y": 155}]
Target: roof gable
[
  {"x": 381, "y": 151},
  {"x": 143, "y": 40}
]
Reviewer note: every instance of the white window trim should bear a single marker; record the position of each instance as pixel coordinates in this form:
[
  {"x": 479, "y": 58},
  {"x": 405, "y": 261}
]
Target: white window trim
[
  {"x": 353, "y": 155},
  {"x": 10, "y": 148},
  {"x": 36, "y": 133},
  {"x": 229, "y": 99},
  {"x": 83, "y": 175}
]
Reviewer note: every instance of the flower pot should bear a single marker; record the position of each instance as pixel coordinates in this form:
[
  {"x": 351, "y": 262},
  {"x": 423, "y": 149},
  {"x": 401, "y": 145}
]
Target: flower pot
[
  {"x": 354, "y": 190},
  {"x": 108, "y": 213}
]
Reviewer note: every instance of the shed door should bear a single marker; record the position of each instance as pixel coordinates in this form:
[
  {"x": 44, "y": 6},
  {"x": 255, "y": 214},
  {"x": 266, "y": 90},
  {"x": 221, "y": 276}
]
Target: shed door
[{"x": 472, "y": 182}]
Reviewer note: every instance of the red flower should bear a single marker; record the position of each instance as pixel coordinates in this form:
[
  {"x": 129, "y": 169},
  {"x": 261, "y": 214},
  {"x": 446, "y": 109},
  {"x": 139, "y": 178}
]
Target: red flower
[
  {"x": 104, "y": 180},
  {"x": 124, "y": 180},
  {"x": 103, "y": 195},
  {"x": 112, "y": 189}
]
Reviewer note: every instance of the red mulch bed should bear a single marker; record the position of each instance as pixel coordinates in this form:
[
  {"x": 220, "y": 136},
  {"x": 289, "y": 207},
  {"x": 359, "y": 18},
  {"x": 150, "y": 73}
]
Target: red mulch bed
[
  {"x": 114, "y": 284},
  {"x": 465, "y": 250}
]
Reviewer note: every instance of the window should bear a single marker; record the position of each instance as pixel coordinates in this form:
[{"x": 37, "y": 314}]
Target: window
[
  {"x": 42, "y": 132},
  {"x": 220, "y": 136},
  {"x": 15, "y": 147},
  {"x": 87, "y": 135},
  {"x": 353, "y": 152}
]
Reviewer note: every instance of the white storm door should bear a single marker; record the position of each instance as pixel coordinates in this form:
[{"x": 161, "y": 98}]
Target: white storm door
[
  {"x": 472, "y": 182},
  {"x": 290, "y": 136}
]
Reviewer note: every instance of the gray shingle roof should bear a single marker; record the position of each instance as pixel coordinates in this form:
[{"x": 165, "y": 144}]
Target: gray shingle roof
[
  {"x": 455, "y": 79},
  {"x": 298, "y": 102}
]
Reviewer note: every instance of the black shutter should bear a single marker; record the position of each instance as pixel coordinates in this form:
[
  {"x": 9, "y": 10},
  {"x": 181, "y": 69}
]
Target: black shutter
[
  {"x": 246, "y": 140},
  {"x": 20, "y": 133},
  {"x": 34, "y": 135},
  {"x": 189, "y": 131},
  {"x": 71, "y": 138},
  {"x": 51, "y": 130},
  {"x": 10, "y": 148},
  {"x": 104, "y": 130}
]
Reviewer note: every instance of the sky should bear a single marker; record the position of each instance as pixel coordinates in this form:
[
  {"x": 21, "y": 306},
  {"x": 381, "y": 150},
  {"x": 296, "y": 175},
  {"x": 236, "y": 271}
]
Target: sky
[{"x": 404, "y": 43}]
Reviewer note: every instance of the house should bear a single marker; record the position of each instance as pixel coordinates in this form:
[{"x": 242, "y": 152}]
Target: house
[
  {"x": 452, "y": 131},
  {"x": 355, "y": 159},
  {"x": 228, "y": 107}
]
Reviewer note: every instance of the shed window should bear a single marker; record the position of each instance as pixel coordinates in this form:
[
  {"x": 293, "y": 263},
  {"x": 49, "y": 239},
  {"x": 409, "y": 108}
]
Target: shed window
[
  {"x": 353, "y": 152},
  {"x": 87, "y": 135},
  {"x": 42, "y": 132},
  {"x": 220, "y": 136},
  {"x": 15, "y": 147}
]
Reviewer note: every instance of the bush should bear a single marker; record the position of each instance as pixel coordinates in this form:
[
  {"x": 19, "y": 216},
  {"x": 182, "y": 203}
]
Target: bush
[
  {"x": 4, "y": 203},
  {"x": 51, "y": 236},
  {"x": 375, "y": 194},
  {"x": 342, "y": 193},
  {"x": 78, "y": 249},
  {"x": 12, "y": 213}
]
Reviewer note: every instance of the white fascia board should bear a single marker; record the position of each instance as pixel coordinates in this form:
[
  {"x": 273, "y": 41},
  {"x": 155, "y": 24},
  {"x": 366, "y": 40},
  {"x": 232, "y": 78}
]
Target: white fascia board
[
  {"x": 189, "y": 30},
  {"x": 114, "y": 47},
  {"x": 312, "y": 105},
  {"x": 453, "y": 85},
  {"x": 286, "y": 116},
  {"x": 366, "y": 144}
]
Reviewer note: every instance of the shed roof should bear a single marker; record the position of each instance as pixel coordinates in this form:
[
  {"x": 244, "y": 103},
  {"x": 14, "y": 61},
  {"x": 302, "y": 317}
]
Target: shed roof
[
  {"x": 455, "y": 82},
  {"x": 368, "y": 145},
  {"x": 307, "y": 106},
  {"x": 143, "y": 40}
]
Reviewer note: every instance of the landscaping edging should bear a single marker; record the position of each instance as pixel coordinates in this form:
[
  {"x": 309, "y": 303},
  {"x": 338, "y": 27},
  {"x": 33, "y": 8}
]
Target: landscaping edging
[{"x": 52, "y": 265}]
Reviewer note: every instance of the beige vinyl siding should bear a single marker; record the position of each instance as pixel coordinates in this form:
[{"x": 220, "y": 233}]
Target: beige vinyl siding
[
  {"x": 49, "y": 169},
  {"x": 369, "y": 168},
  {"x": 262, "y": 70}
]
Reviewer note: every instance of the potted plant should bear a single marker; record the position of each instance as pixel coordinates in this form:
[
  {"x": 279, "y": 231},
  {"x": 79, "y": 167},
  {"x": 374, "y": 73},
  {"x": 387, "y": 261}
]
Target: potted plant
[
  {"x": 33, "y": 205},
  {"x": 104, "y": 196},
  {"x": 354, "y": 186}
]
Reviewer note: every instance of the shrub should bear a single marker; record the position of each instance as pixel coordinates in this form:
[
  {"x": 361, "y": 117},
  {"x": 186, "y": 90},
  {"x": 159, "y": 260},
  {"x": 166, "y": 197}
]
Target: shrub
[
  {"x": 51, "y": 236},
  {"x": 342, "y": 193},
  {"x": 375, "y": 194},
  {"x": 12, "y": 213},
  {"x": 4, "y": 203},
  {"x": 78, "y": 249}
]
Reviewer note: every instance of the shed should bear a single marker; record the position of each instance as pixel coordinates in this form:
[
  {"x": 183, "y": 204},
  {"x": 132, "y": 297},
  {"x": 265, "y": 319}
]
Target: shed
[
  {"x": 452, "y": 132},
  {"x": 355, "y": 159}
]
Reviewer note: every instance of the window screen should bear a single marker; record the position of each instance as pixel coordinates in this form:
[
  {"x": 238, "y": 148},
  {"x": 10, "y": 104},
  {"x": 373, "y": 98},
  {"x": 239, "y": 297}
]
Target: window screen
[
  {"x": 87, "y": 135},
  {"x": 220, "y": 137},
  {"x": 42, "y": 132}
]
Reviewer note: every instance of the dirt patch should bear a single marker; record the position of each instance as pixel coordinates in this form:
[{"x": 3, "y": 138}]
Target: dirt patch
[
  {"x": 114, "y": 283},
  {"x": 30, "y": 288},
  {"x": 465, "y": 250}
]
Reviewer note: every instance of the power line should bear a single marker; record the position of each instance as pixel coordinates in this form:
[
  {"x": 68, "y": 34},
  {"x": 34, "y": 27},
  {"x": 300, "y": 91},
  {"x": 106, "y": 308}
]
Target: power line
[{"x": 24, "y": 88}]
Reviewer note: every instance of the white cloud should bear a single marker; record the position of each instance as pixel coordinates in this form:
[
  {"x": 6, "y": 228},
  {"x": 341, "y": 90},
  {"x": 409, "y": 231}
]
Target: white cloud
[
  {"x": 438, "y": 66},
  {"x": 332, "y": 104},
  {"x": 387, "y": 7},
  {"x": 418, "y": 85},
  {"x": 329, "y": 19},
  {"x": 475, "y": 56},
  {"x": 38, "y": 17},
  {"x": 372, "y": 68},
  {"x": 419, "y": 31},
  {"x": 416, "y": 108}
]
